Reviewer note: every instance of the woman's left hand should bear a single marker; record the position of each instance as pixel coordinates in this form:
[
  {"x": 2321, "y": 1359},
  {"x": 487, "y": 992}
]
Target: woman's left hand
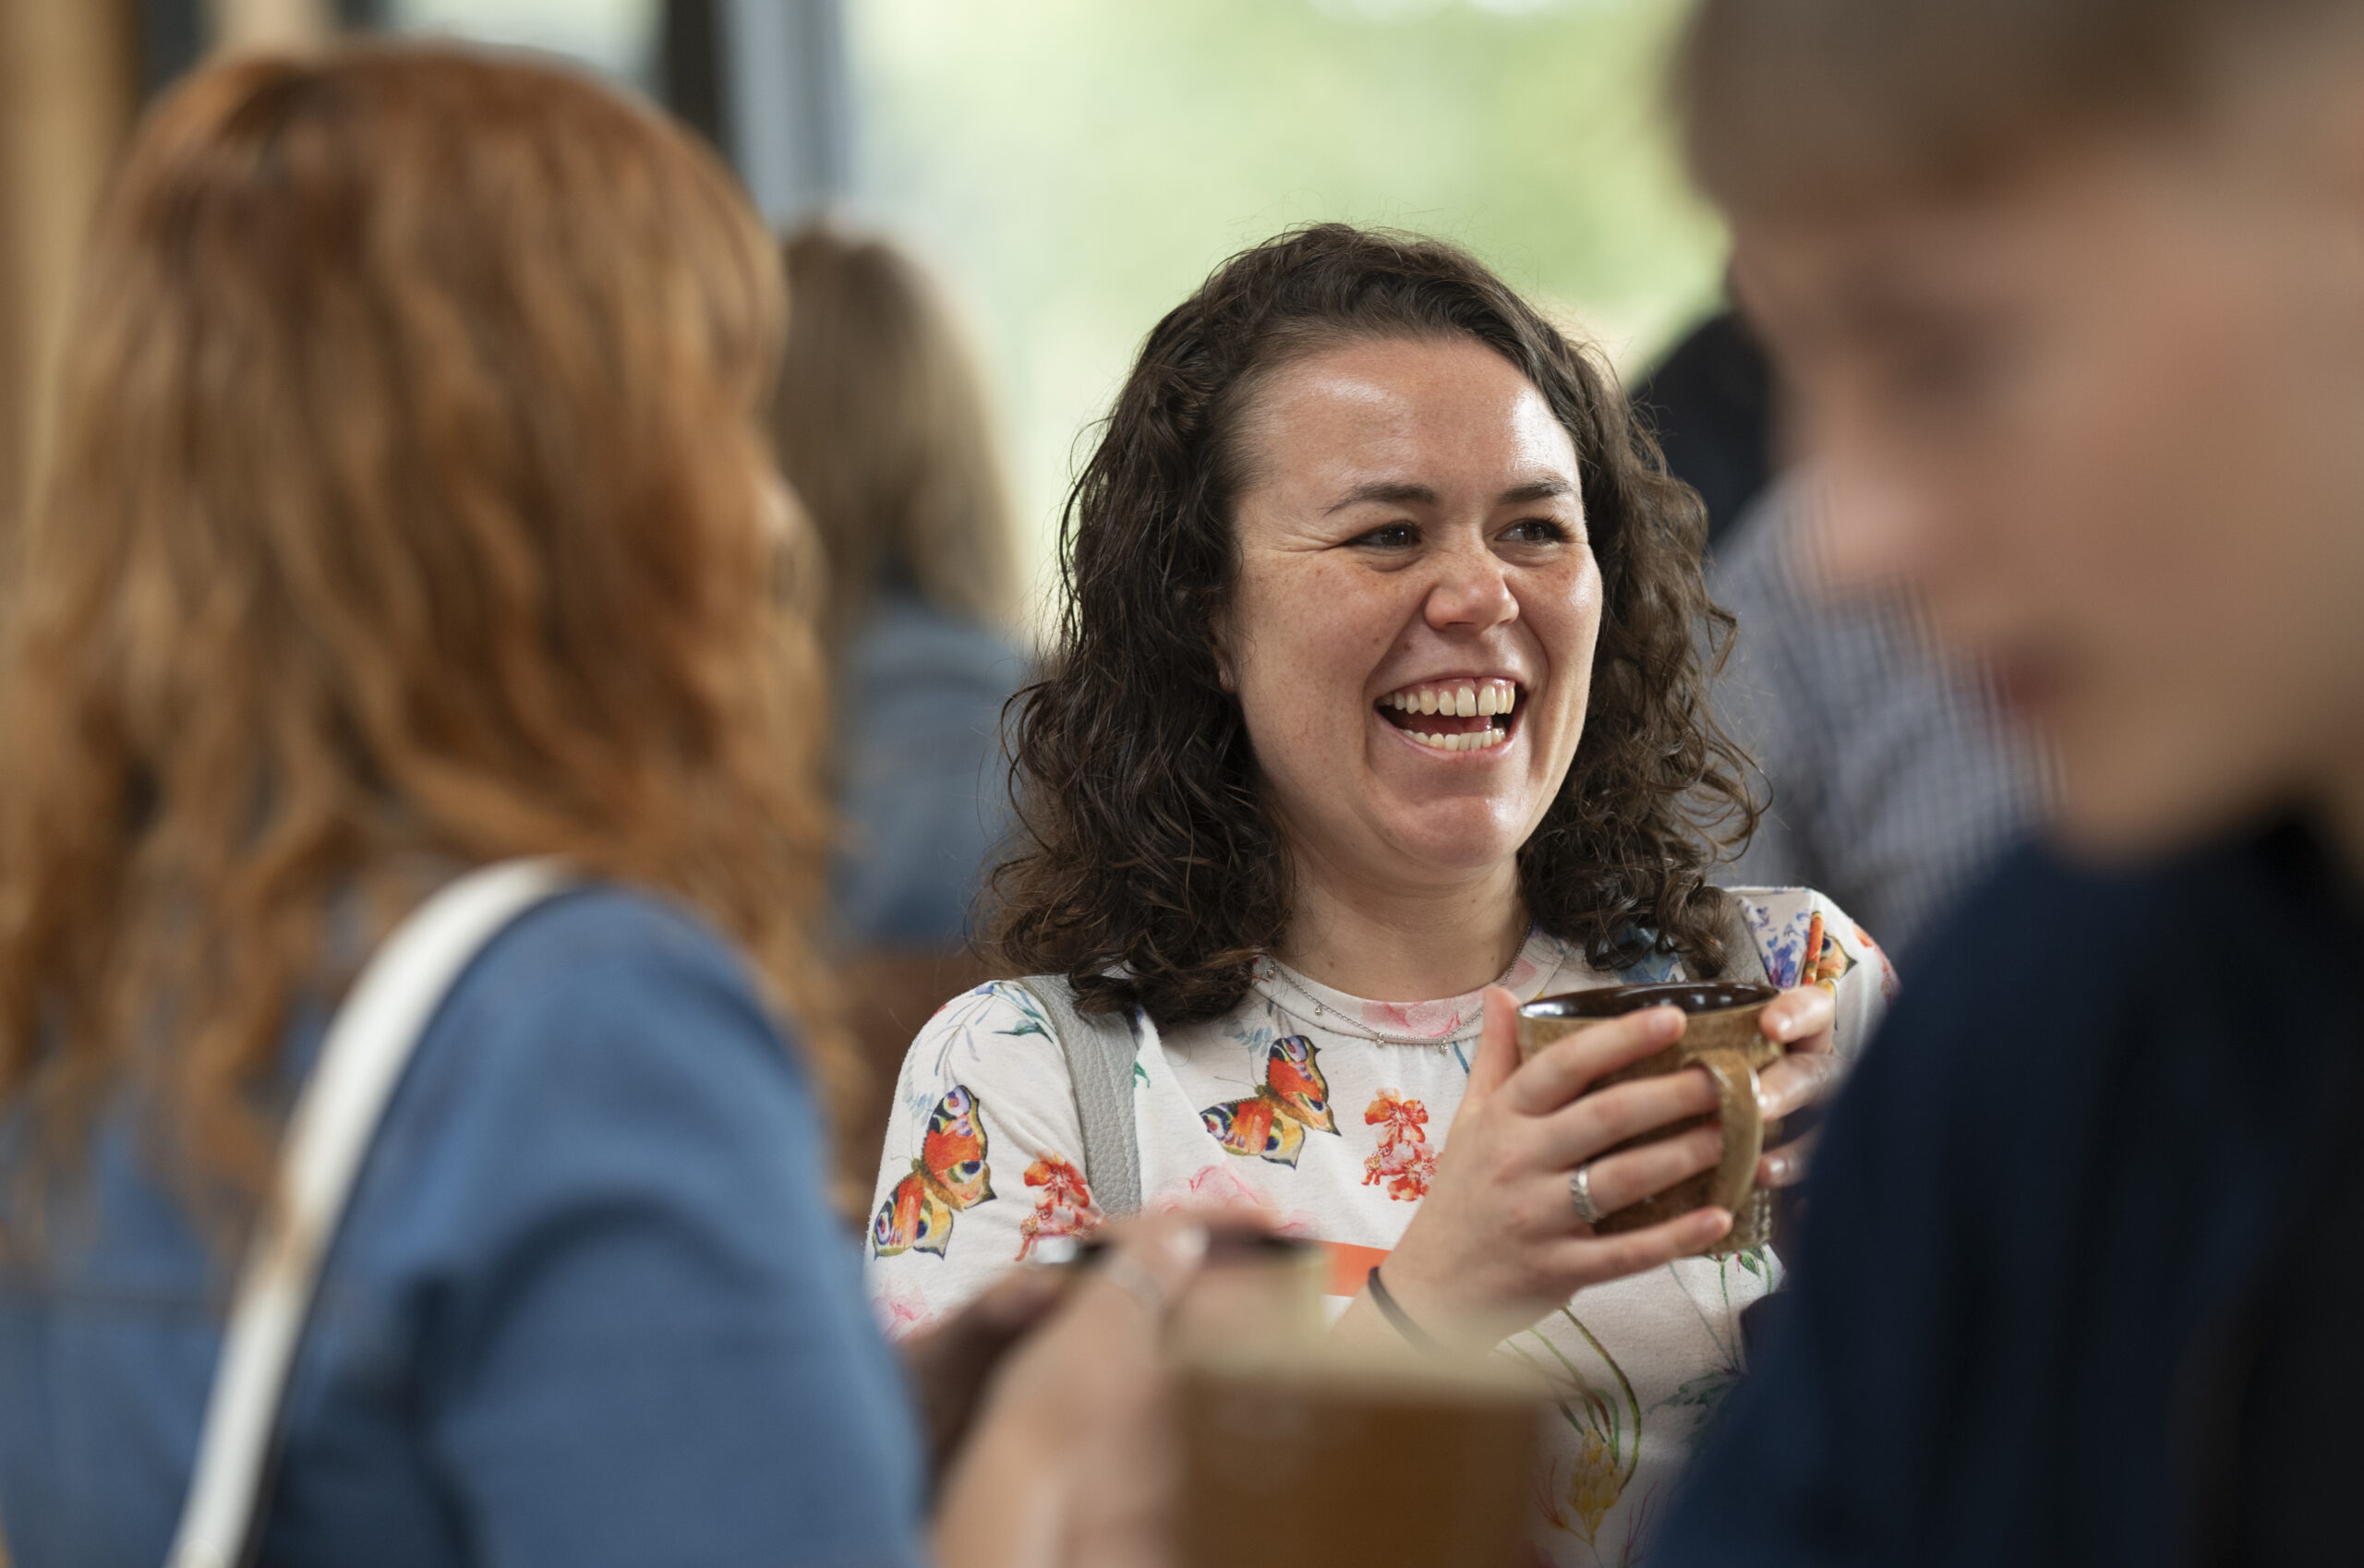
[{"x": 1802, "y": 1020}]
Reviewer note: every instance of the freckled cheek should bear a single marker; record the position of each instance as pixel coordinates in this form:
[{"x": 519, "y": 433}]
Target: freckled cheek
[
  {"x": 1564, "y": 617},
  {"x": 1309, "y": 641}
]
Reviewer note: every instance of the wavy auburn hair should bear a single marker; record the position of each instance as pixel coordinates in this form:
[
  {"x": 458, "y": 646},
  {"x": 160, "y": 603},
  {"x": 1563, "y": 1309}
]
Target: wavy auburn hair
[
  {"x": 409, "y": 507},
  {"x": 1151, "y": 871}
]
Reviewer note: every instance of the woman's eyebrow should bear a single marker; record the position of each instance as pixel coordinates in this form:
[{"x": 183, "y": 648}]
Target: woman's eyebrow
[
  {"x": 1536, "y": 489},
  {"x": 1401, "y": 493},
  {"x": 1388, "y": 492}
]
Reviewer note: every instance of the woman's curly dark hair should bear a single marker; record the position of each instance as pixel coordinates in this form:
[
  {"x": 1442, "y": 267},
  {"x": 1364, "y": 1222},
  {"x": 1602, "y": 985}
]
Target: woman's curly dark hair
[{"x": 1148, "y": 868}]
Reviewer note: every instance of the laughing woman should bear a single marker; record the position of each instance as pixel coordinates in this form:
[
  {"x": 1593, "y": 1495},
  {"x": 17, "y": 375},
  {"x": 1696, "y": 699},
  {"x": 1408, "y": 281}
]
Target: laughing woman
[{"x": 1377, "y": 687}]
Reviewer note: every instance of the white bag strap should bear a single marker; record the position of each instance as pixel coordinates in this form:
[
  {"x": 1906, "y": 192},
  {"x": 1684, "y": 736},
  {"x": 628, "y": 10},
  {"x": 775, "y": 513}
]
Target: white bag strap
[
  {"x": 368, "y": 1044},
  {"x": 1101, "y": 1050}
]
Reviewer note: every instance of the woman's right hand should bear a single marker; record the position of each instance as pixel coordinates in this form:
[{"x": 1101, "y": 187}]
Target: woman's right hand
[{"x": 1497, "y": 1241}]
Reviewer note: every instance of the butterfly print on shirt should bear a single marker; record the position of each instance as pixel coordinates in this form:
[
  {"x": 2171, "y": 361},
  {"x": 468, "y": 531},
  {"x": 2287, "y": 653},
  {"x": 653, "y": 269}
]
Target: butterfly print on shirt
[
  {"x": 1293, "y": 1099},
  {"x": 951, "y": 1175}
]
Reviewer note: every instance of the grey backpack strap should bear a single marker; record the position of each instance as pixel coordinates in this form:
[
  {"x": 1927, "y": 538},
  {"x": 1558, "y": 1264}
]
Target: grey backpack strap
[
  {"x": 1100, "y": 1049},
  {"x": 1744, "y": 960}
]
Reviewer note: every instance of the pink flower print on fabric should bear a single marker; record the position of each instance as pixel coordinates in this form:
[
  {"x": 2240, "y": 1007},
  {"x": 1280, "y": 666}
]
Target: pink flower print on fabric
[
  {"x": 1221, "y": 1187},
  {"x": 1425, "y": 1020},
  {"x": 901, "y": 1311}
]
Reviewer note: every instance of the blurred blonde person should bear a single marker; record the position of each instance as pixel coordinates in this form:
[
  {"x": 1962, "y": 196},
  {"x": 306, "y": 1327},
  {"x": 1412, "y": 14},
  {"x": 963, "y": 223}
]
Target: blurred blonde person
[
  {"x": 883, "y": 427},
  {"x": 412, "y": 511}
]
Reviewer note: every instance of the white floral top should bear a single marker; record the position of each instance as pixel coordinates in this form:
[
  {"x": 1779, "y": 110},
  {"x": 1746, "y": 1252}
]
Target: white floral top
[{"x": 983, "y": 1157}]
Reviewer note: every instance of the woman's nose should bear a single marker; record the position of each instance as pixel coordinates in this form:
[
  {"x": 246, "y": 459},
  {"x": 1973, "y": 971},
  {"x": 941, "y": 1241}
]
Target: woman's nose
[{"x": 1472, "y": 592}]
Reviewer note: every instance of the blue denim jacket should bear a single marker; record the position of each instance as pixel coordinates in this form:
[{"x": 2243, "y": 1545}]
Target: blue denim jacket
[
  {"x": 588, "y": 1305},
  {"x": 924, "y": 779}
]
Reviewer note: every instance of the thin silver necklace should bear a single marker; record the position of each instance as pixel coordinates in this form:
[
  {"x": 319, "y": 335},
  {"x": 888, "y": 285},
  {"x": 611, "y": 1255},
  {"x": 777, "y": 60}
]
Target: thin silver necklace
[{"x": 1335, "y": 1021}]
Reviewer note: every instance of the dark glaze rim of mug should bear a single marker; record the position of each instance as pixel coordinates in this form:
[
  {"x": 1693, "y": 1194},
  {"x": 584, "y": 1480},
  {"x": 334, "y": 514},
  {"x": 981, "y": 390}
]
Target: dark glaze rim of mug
[{"x": 1614, "y": 1001}]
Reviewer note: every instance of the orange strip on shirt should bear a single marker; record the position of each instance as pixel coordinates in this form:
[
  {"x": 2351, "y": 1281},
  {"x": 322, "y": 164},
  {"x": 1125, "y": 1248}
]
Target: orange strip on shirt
[{"x": 1351, "y": 1265}]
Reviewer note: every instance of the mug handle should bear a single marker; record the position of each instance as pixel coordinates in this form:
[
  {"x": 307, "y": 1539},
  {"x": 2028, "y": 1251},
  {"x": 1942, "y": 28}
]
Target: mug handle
[{"x": 1735, "y": 1081}]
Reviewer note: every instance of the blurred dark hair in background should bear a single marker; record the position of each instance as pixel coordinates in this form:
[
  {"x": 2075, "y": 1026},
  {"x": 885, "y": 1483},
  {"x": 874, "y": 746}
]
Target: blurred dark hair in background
[{"x": 1709, "y": 402}]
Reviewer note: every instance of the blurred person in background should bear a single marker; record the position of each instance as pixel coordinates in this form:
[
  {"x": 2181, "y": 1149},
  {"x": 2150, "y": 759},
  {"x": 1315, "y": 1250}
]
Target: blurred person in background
[
  {"x": 2070, "y": 294},
  {"x": 883, "y": 429},
  {"x": 1890, "y": 774},
  {"x": 1377, "y": 708},
  {"x": 1893, "y": 777},
  {"x": 411, "y": 509},
  {"x": 1709, "y": 403}
]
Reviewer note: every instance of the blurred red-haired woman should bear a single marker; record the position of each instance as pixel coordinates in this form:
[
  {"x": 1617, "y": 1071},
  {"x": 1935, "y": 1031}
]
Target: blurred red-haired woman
[{"x": 410, "y": 511}]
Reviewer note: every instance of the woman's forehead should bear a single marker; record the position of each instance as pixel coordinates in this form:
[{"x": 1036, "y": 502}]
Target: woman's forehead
[{"x": 1361, "y": 419}]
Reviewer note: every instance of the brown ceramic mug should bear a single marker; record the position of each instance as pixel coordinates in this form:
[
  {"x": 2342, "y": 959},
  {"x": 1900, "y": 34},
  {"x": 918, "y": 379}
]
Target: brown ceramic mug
[
  {"x": 1723, "y": 1037},
  {"x": 1323, "y": 1457}
]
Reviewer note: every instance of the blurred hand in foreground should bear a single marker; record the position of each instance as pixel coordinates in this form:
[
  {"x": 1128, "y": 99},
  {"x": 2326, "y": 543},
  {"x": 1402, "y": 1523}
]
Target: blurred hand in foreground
[{"x": 1072, "y": 1459}]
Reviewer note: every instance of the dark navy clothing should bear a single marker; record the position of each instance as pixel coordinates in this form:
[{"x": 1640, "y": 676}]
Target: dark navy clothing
[
  {"x": 589, "y": 1306},
  {"x": 2082, "y": 1243}
]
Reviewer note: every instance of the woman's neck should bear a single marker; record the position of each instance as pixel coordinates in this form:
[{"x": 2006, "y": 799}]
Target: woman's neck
[{"x": 1387, "y": 942}]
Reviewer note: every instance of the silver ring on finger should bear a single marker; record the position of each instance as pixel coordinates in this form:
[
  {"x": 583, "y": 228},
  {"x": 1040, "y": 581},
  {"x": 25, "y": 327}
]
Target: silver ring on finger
[{"x": 1580, "y": 1189}]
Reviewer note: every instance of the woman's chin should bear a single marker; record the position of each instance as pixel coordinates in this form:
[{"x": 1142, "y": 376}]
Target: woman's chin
[{"x": 1458, "y": 835}]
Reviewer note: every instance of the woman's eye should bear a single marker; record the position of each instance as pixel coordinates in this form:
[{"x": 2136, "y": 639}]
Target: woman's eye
[
  {"x": 1394, "y": 536},
  {"x": 1536, "y": 531}
]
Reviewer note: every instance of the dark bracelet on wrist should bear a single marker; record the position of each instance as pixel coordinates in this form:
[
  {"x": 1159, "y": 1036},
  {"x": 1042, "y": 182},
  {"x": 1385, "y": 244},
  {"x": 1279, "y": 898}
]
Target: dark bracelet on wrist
[{"x": 1416, "y": 1335}]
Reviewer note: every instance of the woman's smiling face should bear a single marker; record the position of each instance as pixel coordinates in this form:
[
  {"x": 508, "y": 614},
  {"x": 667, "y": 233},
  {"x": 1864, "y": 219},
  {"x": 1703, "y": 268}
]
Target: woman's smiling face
[{"x": 1411, "y": 631}]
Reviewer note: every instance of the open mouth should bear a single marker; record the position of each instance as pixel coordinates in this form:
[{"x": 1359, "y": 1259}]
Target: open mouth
[{"x": 1454, "y": 716}]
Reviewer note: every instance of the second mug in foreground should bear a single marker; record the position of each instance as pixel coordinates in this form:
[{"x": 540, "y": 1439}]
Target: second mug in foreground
[{"x": 1721, "y": 1036}]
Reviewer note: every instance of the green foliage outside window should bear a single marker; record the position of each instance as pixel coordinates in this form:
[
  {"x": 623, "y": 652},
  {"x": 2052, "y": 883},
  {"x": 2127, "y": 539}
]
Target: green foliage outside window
[{"x": 1075, "y": 167}]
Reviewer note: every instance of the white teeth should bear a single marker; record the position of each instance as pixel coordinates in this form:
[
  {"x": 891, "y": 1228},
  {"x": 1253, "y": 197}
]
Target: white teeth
[
  {"x": 1479, "y": 741},
  {"x": 1486, "y": 699}
]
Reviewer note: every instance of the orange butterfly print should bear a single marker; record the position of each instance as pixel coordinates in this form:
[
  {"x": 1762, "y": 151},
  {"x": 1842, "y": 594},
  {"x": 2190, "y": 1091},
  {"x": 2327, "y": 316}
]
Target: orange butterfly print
[
  {"x": 1294, "y": 1097},
  {"x": 951, "y": 1175},
  {"x": 1821, "y": 960}
]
